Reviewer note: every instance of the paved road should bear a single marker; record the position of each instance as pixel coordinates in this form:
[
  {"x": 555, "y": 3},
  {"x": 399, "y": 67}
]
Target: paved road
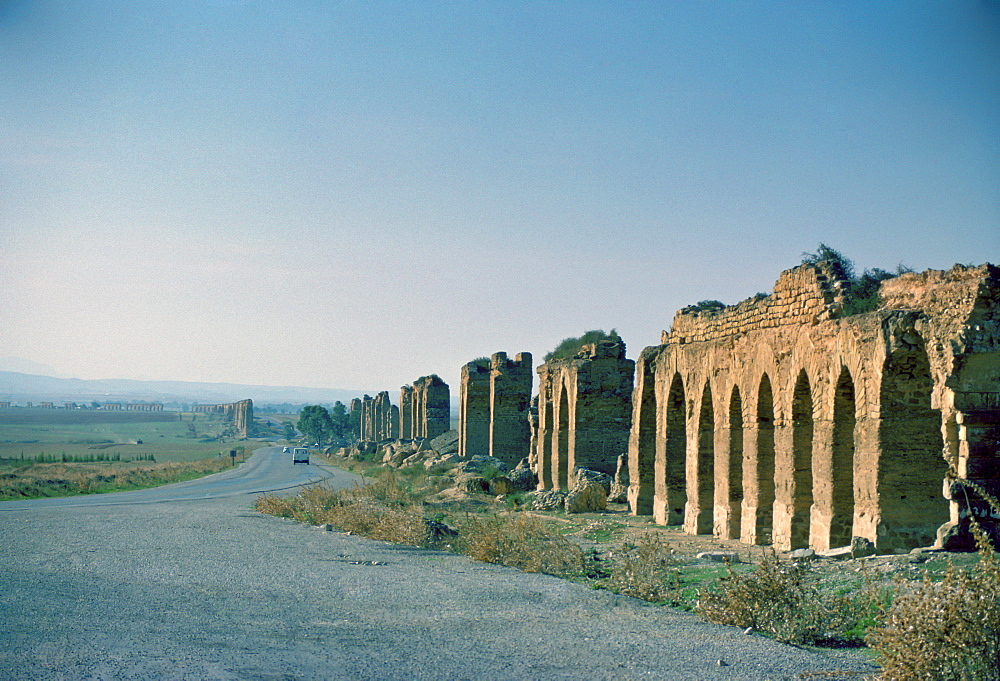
[{"x": 187, "y": 582}]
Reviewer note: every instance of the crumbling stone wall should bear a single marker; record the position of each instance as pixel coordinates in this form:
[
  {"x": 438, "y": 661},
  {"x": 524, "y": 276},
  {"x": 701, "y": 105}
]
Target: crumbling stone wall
[
  {"x": 429, "y": 410},
  {"x": 778, "y": 420},
  {"x": 474, "y": 410},
  {"x": 493, "y": 412},
  {"x": 584, "y": 409},
  {"x": 379, "y": 418},
  {"x": 510, "y": 399}
]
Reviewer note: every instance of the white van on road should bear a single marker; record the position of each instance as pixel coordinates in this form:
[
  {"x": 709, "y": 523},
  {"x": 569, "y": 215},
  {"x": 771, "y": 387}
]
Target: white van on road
[{"x": 300, "y": 455}]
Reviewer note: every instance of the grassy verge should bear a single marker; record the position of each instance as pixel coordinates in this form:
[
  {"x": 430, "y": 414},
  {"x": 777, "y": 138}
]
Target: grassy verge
[{"x": 70, "y": 479}]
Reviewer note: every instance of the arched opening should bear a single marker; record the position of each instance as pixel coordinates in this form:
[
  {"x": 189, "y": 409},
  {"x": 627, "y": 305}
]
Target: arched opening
[
  {"x": 802, "y": 461},
  {"x": 645, "y": 447},
  {"x": 701, "y": 494},
  {"x": 562, "y": 438},
  {"x": 676, "y": 453},
  {"x": 545, "y": 439},
  {"x": 842, "y": 470},
  {"x": 911, "y": 466},
  {"x": 764, "y": 515},
  {"x": 735, "y": 460}
]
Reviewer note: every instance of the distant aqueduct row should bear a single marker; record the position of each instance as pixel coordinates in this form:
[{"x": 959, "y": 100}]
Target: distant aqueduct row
[{"x": 778, "y": 420}]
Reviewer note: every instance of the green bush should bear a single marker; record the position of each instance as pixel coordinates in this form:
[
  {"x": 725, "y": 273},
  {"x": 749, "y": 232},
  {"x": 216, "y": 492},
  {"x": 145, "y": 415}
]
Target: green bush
[
  {"x": 862, "y": 293},
  {"x": 569, "y": 347},
  {"x": 646, "y": 569}
]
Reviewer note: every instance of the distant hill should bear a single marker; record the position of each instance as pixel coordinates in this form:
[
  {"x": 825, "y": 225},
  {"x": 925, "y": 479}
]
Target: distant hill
[{"x": 18, "y": 387}]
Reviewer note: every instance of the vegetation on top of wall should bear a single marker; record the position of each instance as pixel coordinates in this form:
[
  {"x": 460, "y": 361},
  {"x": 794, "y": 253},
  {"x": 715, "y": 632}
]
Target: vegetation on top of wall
[
  {"x": 862, "y": 292},
  {"x": 569, "y": 347},
  {"x": 705, "y": 306}
]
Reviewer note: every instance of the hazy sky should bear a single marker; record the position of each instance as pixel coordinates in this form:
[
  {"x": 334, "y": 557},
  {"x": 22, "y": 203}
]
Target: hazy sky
[{"x": 356, "y": 194}]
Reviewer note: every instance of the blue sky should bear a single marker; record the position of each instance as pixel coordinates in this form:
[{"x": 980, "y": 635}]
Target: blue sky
[{"x": 356, "y": 194}]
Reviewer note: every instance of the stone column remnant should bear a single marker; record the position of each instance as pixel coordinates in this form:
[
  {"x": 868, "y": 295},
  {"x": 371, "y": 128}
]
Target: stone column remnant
[
  {"x": 354, "y": 416},
  {"x": 432, "y": 407},
  {"x": 510, "y": 399},
  {"x": 474, "y": 409},
  {"x": 406, "y": 412}
]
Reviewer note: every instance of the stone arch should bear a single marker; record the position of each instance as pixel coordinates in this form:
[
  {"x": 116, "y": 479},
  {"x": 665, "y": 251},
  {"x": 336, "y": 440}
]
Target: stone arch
[
  {"x": 644, "y": 451},
  {"x": 911, "y": 466},
  {"x": 673, "y": 455},
  {"x": 802, "y": 461},
  {"x": 561, "y": 449},
  {"x": 699, "y": 511},
  {"x": 841, "y": 527},
  {"x": 731, "y": 475},
  {"x": 545, "y": 478},
  {"x": 758, "y": 500}
]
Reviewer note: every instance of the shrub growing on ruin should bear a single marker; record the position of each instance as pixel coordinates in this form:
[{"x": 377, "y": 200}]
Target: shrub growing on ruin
[
  {"x": 705, "y": 306},
  {"x": 862, "y": 292},
  {"x": 569, "y": 347}
]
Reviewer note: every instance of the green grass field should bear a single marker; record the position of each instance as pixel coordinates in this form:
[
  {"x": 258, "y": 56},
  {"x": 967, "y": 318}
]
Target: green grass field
[
  {"x": 167, "y": 436},
  {"x": 58, "y": 452}
]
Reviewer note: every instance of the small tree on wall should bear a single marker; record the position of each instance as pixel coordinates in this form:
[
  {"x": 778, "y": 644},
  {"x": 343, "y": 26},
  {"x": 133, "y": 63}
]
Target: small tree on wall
[{"x": 862, "y": 294}]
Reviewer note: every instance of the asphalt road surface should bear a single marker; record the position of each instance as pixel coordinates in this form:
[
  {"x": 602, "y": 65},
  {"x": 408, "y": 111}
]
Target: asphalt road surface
[{"x": 188, "y": 582}]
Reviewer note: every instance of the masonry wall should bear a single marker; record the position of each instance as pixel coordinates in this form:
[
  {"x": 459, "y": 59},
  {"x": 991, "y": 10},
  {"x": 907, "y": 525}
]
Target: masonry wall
[
  {"x": 406, "y": 412},
  {"x": 510, "y": 400},
  {"x": 429, "y": 411},
  {"x": 474, "y": 410},
  {"x": 781, "y": 421},
  {"x": 584, "y": 410}
]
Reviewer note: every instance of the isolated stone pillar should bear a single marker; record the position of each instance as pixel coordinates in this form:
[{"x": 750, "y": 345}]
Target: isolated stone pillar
[
  {"x": 406, "y": 412},
  {"x": 474, "y": 410},
  {"x": 510, "y": 399}
]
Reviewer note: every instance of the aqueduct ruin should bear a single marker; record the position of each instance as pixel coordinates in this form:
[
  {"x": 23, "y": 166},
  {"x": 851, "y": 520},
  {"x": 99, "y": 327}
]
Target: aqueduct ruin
[
  {"x": 584, "y": 412},
  {"x": 239, "y": 413},
  {"x": 494, "y": 399},
  {"x": 423, "y": 412},
  {"x": 780, "y": 420}
]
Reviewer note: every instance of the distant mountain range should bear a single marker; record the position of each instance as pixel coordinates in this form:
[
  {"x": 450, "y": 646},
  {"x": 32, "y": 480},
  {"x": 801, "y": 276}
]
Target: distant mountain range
[{"x": 17, "y": 387}]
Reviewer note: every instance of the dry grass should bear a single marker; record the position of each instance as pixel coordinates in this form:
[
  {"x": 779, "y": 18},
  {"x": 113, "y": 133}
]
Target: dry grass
[
  {"x": 645, "y": 569},
  {"x": 383, "y": 509},
  {"x": 521, "y": 541},
  {"x": 388, "y": 510},
  {"x": 948, "y": 629},
  {"x": 791, "y": 603},
  {"x": 777, "y": 599},
  {"x": 58, "y": 479}
]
